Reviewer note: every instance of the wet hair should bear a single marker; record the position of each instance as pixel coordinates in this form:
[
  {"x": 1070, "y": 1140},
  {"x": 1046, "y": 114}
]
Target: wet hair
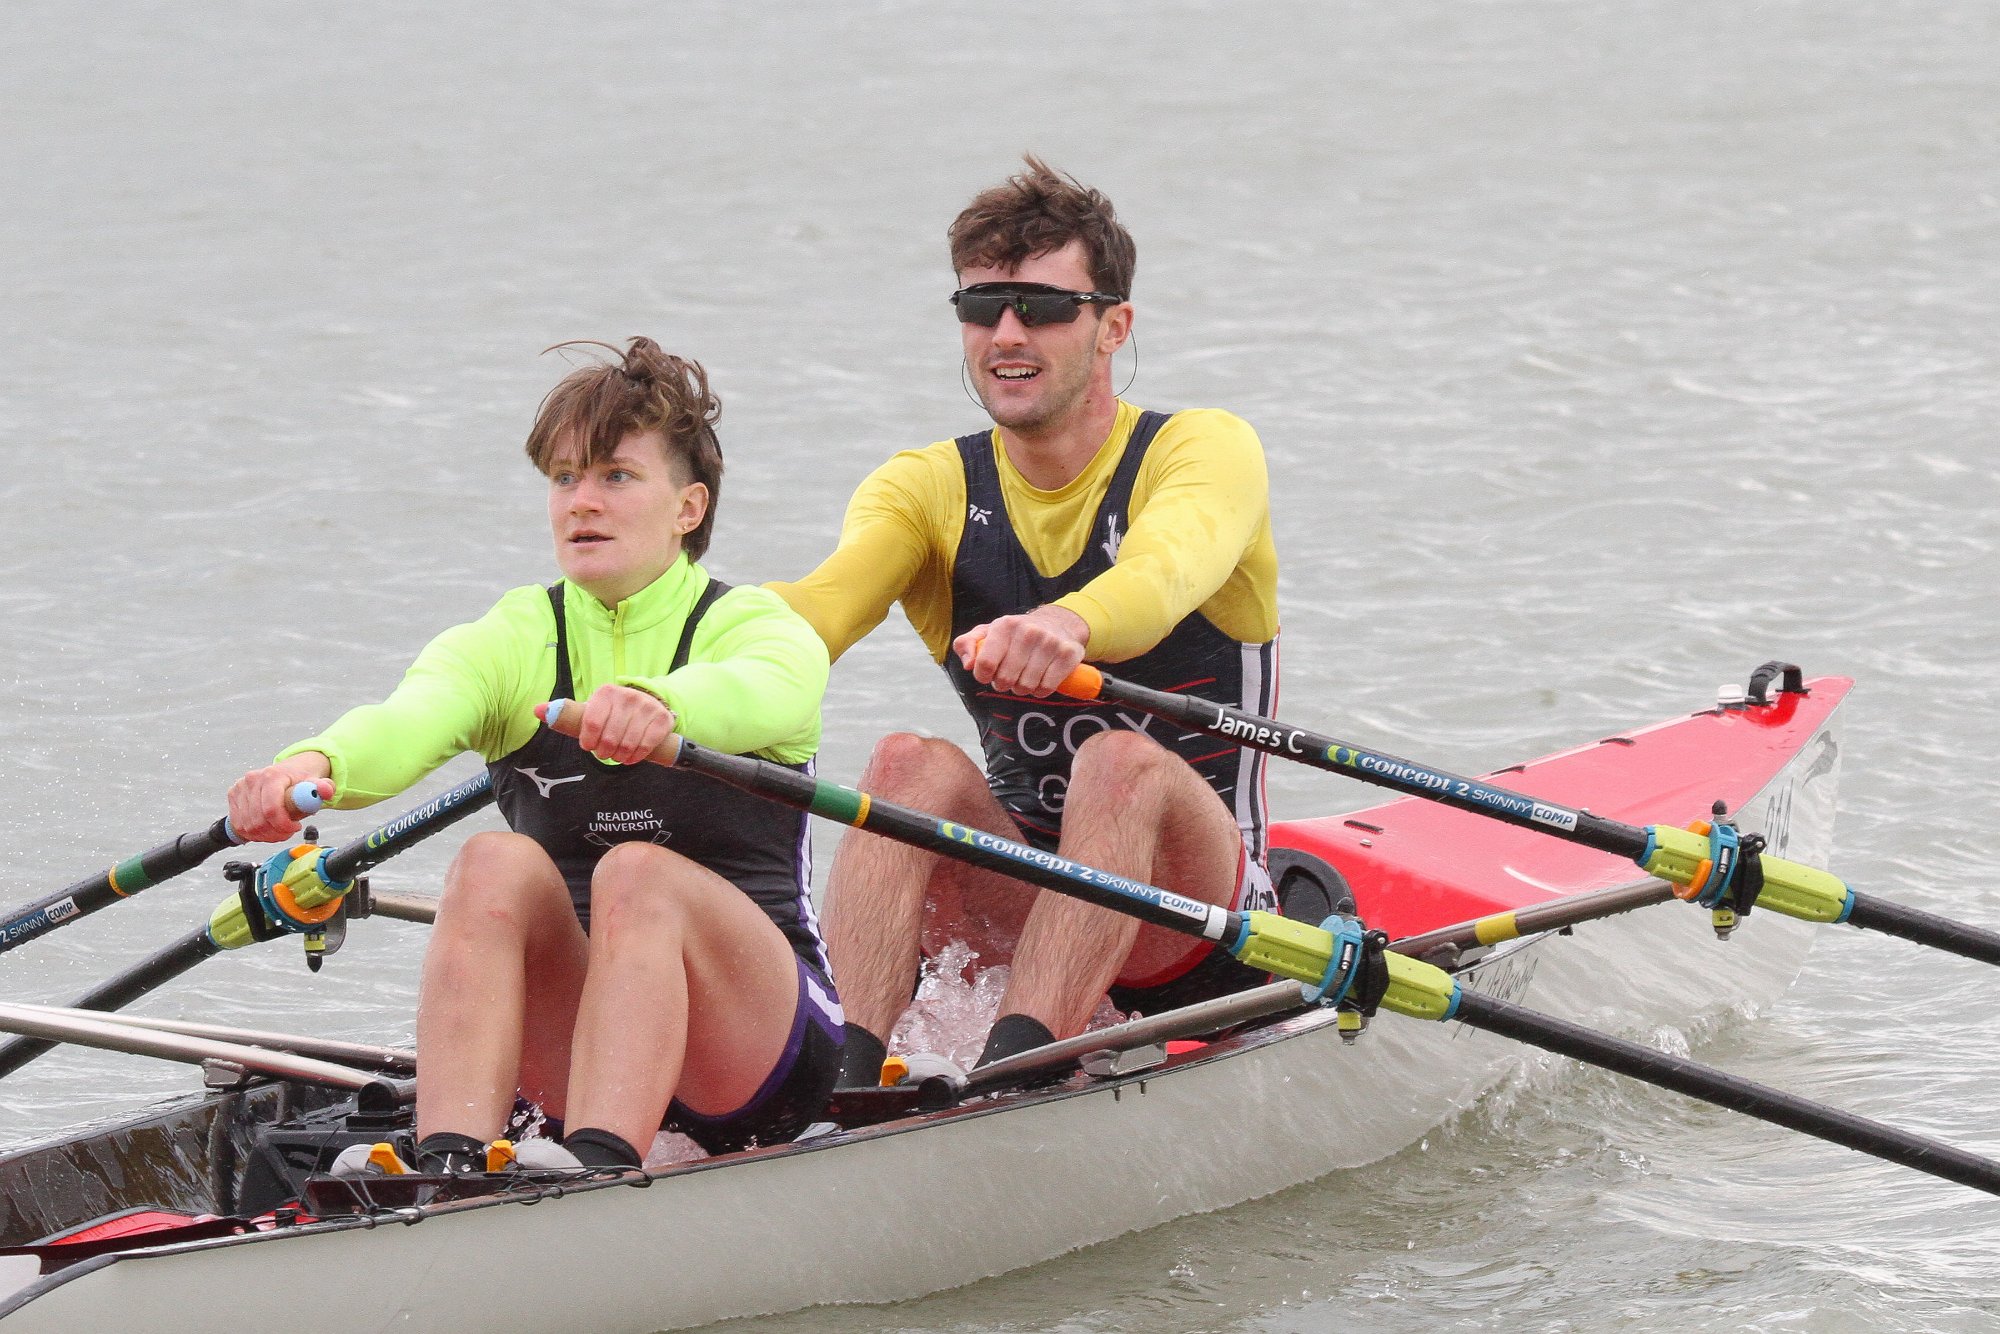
[
  {"x": 1039, "y": 210},
  {"x": 645, "y": 389}
]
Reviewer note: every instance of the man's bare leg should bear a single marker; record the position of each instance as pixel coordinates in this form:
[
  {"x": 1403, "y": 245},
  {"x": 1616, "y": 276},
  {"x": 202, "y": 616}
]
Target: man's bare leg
[
  {"x": 885, "y": 897},
  {"x": 1136, "y": 810}
]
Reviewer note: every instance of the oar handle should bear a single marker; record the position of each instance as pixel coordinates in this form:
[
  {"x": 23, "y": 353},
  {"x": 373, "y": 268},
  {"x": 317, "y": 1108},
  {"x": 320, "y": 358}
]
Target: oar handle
[
  {"x": 566, "y": 716},
  {"x": 306, "y": 797},
  {"x": 1085, "y": 682}
]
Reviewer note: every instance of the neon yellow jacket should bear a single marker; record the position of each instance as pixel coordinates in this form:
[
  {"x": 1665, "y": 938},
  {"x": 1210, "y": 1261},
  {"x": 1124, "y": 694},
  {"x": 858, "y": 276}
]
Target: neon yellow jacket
[{"x": 752, "y": 685}]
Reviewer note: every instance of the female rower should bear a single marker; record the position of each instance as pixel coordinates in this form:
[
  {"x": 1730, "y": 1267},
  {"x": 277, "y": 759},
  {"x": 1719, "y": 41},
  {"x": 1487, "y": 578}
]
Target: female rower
[{"x": 639, "y": 949}]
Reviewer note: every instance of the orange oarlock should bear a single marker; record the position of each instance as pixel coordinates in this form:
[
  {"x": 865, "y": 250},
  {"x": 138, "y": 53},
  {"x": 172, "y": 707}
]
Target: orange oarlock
[
  {"x": 287, "y": 901},
  {"x": 1702, "y": 868}
]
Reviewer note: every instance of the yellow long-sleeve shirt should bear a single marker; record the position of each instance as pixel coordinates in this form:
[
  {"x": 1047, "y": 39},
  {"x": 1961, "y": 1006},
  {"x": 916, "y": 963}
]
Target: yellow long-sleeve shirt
[{"x": 1199, "y": 539}]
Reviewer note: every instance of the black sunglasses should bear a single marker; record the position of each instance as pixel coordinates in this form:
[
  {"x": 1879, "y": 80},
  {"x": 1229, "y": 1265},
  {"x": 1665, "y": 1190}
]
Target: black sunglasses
[{"x": 1032, "y": 303}]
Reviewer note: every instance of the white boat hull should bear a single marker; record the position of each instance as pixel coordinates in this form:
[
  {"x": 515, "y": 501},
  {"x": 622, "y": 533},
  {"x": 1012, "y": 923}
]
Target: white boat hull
[{"x": 898, "y": 1210}]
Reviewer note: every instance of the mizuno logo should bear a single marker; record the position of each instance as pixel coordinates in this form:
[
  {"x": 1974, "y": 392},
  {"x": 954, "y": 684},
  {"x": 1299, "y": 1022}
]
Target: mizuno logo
[
  {"x": 1111, "y": 539},
  {"x": 975, "y": 514},
  {"x": 546, "y": 784}
]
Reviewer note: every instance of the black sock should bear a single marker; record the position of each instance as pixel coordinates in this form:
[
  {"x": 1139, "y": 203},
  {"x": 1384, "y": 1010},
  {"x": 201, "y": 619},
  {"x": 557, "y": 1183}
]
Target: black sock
[
  {"x": 861, "y": 1054},
  {"x": 1013, "y": 1034},
  {"x": 446, "y": 1153},
  {"x": 601, "y": 1148}
]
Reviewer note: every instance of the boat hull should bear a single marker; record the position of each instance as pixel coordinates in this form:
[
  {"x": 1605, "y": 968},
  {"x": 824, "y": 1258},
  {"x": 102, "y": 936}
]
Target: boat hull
[{"x": 896, "y": 1210}]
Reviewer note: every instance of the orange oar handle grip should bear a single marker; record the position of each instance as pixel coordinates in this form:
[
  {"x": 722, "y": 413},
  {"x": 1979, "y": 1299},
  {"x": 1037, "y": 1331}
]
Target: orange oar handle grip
[{"x": 1086, "y": 682}]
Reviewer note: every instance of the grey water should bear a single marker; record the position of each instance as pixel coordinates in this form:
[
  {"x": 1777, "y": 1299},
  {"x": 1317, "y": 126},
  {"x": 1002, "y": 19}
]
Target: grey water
[{"x": 1601, "y": 352}]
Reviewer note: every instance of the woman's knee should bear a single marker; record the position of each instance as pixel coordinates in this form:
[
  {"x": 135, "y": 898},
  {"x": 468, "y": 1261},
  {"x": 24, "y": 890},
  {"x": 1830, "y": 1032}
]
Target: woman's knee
[
  {"x": 640, "y": 887},
  {"x": 498, "y": 874}
]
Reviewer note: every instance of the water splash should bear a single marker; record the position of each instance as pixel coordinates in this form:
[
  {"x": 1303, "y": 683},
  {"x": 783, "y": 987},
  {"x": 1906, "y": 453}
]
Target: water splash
[{"x": 957, "y": 1002}]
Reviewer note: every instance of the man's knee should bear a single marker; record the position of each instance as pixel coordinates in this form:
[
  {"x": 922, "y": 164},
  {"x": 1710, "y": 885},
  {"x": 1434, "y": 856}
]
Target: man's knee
[
  {"x": 904, "y": 766},
  {"x": 1122, "y": 761}
]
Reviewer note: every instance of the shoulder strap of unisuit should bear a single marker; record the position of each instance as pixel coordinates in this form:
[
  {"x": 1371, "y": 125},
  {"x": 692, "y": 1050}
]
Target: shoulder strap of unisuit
[
  {"x": 716, "y": 588},
  {"x": 565, "y": 687},
  {"x": 1118, "y": 492}
]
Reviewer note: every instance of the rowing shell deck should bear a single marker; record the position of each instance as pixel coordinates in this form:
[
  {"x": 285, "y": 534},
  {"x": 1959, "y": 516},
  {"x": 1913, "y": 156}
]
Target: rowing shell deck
[{"x": 931, "y": 1201}]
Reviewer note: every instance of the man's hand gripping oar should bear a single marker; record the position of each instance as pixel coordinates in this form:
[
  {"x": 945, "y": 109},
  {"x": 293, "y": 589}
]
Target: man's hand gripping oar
[
  {"x": 1342, "y": 966},
  {"x": 1709, "y": 863},
  {"x": 149, "y": 868}
]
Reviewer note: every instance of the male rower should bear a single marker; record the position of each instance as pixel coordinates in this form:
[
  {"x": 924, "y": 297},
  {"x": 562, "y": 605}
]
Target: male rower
[{"x": 1078, "y": 527}]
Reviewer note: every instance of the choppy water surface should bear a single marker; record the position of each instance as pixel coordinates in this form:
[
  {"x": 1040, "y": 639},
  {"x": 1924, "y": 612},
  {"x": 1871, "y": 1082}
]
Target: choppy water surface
[{"x": 1601, "y": 352}]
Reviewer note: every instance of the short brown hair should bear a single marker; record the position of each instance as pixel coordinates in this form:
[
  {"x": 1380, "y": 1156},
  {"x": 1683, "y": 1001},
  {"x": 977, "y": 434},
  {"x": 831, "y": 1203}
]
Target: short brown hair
[
  {"x": 646, "y": 389},
  {"x": 1040, "y": 210}
]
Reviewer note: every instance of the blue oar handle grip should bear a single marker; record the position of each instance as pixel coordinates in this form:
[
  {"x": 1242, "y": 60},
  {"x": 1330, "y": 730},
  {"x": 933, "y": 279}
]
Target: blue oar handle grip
[{"x": 303, "y": 800}]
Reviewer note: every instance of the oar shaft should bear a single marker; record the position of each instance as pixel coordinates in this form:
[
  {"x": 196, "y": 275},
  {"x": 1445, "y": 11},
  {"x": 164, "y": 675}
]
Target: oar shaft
[
  {"x": 1351, "y": 761},
  {"x": 1672, "y": 854},
  {"x": 1729, "y": 1091},
  {"x": 88, "y": 895},
  {"x": 361, "y": 1055},
  {"x": 1925, "y": 929},
  {"x": 120, "y": 991},
  {"x": 1551, "y": 916},
  {"x": 227, "y": 928},
  {"x": 149, "y": 868},
  {"x": 111, "y": 1035},
  {"x": 320, "y": 885},
  {"x": 975, "y": 847},
  {"x": 412, "y": 827}
]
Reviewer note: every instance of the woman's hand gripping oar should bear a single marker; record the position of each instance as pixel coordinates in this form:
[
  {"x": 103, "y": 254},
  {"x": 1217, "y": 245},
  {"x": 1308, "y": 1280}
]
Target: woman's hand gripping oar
[
  {"x": 297, "y": 891},
  {"x": 1344, "y": 967},
  {"x": 149, "y": 868},
  {"x": 1708, "y": 862}
]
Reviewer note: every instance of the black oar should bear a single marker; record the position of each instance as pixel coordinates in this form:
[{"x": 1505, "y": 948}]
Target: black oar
[
  {"x": 1329, "y": 964},
  {"x": 128, "y": 877},
  {"x": 311, "y": 887},
  {"x": 1706, "y": 862}
]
